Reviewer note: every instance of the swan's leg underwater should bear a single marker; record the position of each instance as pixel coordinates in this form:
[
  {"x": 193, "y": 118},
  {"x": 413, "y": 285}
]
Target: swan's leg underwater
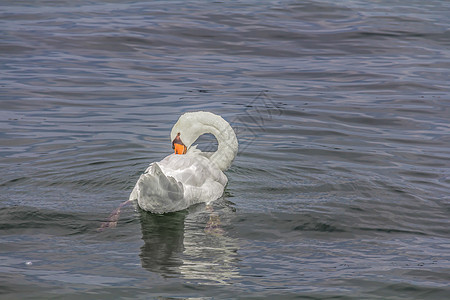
[
  {"x": 113, "y": 217},
  {"x": 213, "y": 225}
]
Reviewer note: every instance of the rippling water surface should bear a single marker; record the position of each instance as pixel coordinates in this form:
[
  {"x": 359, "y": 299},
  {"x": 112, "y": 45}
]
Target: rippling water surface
[{"x": 341, "y": 185}]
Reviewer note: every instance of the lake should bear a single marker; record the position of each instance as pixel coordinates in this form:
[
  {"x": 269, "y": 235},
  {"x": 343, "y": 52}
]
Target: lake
[{"x": 340, "y": 189}]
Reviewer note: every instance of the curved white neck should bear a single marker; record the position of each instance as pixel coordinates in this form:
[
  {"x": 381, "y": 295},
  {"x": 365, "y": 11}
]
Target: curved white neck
[{"x": 192, "y": 125}]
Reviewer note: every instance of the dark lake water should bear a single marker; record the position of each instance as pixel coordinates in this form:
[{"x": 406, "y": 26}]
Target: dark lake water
[{"x": 341, "y": 186}]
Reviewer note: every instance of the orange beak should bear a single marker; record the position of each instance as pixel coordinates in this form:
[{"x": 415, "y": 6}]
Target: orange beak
[{"x": 180, "y": 149}]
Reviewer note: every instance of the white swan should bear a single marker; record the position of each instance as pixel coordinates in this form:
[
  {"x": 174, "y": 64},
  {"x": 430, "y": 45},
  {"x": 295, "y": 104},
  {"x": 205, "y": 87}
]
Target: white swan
[{"x": 181, "y": 180}]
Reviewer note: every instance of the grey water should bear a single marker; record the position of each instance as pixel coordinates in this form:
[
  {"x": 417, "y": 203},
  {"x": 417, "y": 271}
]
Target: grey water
[{"x": 340, "y": 189}]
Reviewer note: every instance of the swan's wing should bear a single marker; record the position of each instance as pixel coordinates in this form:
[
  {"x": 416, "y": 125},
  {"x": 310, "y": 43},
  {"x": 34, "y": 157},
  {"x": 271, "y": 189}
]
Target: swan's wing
[
  {"x": 202, "y": 180},
  {"x": 192, "y": 169},
  {"x": 157, "y": 192},
  {"x": 177, "y": 182}
]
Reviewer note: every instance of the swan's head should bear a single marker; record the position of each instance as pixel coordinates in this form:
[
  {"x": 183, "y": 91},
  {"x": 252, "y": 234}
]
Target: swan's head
[
  {"x": 188, "y": 128},
  {"x": 178, "y": 145},
  {"x": 191, "y": 125}
]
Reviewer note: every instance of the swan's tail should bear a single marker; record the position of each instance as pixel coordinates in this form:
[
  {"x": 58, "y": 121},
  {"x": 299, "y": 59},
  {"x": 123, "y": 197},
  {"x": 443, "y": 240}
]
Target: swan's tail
[{"x": 157, "y": 192}]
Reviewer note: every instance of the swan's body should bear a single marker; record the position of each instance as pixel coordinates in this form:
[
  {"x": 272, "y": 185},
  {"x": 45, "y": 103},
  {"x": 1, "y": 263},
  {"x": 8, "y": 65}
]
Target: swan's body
[{"x": 179, "y": 181}]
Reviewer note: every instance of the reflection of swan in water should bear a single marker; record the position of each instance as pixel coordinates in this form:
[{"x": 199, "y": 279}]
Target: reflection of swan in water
[
  {"x": 163, "y": 242},
  {"x": 178, "y": 244},
  {"x": 179, "y": 181}
]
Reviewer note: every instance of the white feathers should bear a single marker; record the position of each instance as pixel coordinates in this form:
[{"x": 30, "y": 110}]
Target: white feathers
[
  {"x": 179, "y": 181},
  {"x": 194, "y": 124}
]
